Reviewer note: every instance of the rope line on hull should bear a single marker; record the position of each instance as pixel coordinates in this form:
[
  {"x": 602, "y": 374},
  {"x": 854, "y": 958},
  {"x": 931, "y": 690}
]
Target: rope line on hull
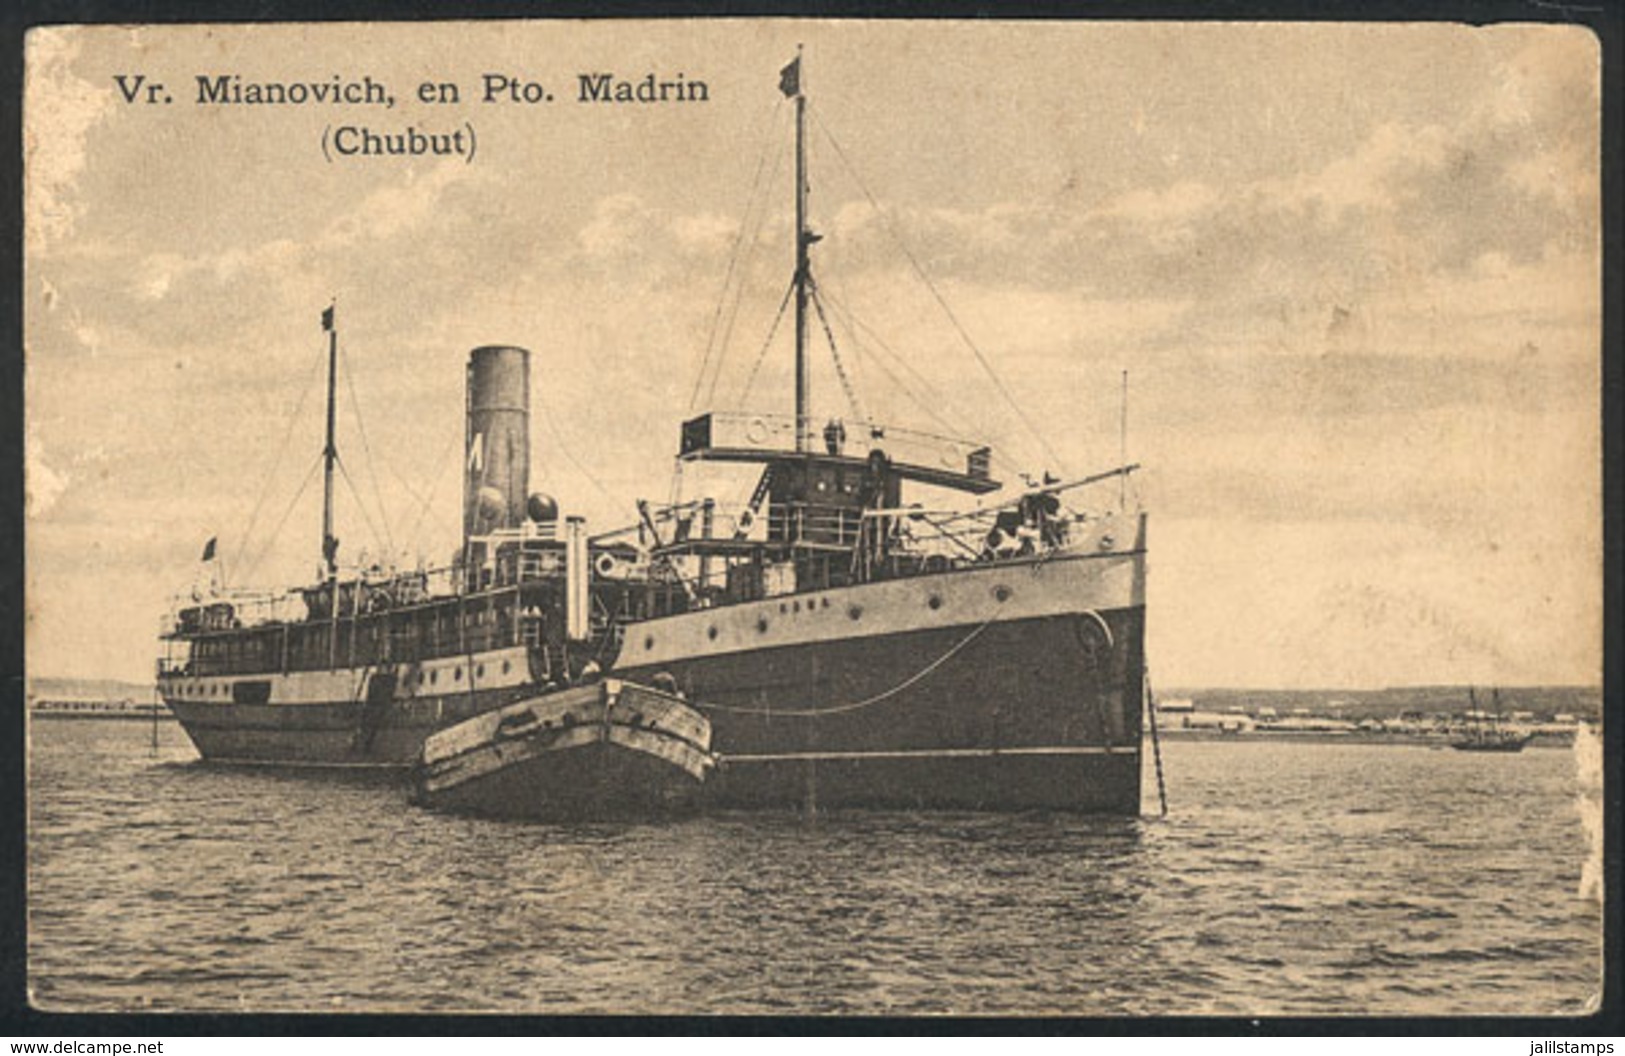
[
  {"x": 857, "y": 704},
  {"x": 912, "y": 680}
]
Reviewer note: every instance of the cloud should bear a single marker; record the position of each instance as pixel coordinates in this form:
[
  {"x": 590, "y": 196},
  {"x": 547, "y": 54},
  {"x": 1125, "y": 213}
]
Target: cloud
[
  {"x": 60, "y": 110},
  {"x": 1411, "y": 201},
  {"x": 43, "y": 485},
  {"x": 402, "y": 209},
  {"x": 1173, "y": 205}
]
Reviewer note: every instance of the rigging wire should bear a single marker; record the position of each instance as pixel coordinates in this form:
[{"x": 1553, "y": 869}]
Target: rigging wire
[
  {"x": 428, "y": 502},
  {"x": 739, "y": 292},
  {"x": 835, "y": 354},
  {"x": 761, "y": 356},
  {"x": 565, "y": 449},
  {"x": 355, "y": 493},
  {"x": 276, "y": 463},
  {"x": 310, "y": 475},
  {"x": 734, "y": 257},
  {"x": 372, "y": 466},
  {"x": 959, "y": 328},
  {"x": 933, "y": 403}
]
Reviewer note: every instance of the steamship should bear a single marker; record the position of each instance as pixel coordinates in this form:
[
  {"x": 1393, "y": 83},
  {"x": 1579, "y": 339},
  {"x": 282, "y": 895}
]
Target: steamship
[{"x": 882, "y": 623}]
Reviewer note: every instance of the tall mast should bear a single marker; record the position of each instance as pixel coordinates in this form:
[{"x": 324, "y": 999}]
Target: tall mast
[
  {"x": 330, "y": 453},
  {"x": 1122, "y": 446},
  {"x": 803, "y": 240}
]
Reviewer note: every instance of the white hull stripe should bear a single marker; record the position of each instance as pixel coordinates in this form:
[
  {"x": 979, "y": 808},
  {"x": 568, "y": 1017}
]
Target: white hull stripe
[
  {"x": 445, "y": 676},
  {"x": 927, "y": 753},
  {"x": 301, "y": 764},
  {"x": 790, "y": 757}
]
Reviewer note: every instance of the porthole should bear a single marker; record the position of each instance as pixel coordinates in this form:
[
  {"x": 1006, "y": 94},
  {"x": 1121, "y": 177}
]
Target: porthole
[
  {"x": 457, "y": 674},
  {"x": 782, "y": 608},
  {"x": 711, "y": 632},
  {"x": 479, "y": 672},
  {"x": 1001, "y": 593},
  {"x": 826, "y": 602},
  {"x": 507, "y": 665},
  {"x": 934, "y": 601},
  {"x": 649, "y": 642},
  {"x": 761, "y": 624},
  {"x": 434, "y": 676},
  {"x": 795, "y": 606},
  {"x": 855, "y": 611}
]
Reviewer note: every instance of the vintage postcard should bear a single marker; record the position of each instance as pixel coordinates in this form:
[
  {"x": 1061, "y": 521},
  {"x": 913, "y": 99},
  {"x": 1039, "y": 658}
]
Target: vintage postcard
[{"x": 814, "y": 517}]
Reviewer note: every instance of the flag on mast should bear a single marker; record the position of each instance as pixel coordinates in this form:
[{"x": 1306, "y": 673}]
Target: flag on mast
[
  {"x": 208, "y": 549},
  {"x": 327, "y": 318},
  {"x": 790, "y": 78}
]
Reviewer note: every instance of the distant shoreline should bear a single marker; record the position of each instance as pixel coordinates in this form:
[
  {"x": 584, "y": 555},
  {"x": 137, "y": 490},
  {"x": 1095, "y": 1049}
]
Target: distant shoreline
[
  {"x": 116, "y": 710},
  {"x": 1409, "y": 740}
]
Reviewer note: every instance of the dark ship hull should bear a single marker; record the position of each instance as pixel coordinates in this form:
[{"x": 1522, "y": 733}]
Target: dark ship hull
[
  {"x": 1009, "y": 685},
  {"x": 1039, "y": 708}
]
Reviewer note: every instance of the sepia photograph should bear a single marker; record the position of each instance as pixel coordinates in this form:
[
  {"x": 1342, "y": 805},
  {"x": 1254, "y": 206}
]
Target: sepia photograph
[{"x": 785, "y": 517}]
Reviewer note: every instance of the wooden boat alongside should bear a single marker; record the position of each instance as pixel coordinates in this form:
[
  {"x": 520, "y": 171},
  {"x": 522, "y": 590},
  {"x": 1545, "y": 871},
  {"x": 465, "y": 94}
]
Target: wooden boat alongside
[{"x": 610, "y": 748}]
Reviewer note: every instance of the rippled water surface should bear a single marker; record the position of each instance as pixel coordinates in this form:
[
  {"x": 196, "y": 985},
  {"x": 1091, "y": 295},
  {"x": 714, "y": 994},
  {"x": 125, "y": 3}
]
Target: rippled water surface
[{"x": 1287, "y": 879}]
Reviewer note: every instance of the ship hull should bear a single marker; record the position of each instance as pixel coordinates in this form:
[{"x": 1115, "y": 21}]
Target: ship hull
[
  {"x": 600, "y": 751},
  {"x": 1020, "y": 716},
  {"x": 1002, "y": 687},
  {"x": 334, "y": 733}
]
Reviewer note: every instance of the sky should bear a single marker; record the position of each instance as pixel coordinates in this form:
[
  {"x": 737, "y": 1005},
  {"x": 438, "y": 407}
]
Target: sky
[{"x": 1353, "y": 273}]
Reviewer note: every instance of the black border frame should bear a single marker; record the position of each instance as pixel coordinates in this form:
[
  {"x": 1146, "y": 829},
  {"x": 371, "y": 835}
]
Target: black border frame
[{"x": 1606, "y": 18}]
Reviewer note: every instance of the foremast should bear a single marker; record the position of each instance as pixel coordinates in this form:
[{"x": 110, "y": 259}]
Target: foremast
[
  {"x": 790, "y": 84},
  {"x": 330, "y": 457}
]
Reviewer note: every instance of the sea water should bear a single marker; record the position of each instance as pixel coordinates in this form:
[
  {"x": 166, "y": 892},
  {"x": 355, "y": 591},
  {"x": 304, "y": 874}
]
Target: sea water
[{"x": 1286, "y": 879}]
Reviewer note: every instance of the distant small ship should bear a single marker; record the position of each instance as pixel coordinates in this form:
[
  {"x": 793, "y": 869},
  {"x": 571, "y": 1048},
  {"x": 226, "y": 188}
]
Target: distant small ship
[{"x": 1491, "y": 736}]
